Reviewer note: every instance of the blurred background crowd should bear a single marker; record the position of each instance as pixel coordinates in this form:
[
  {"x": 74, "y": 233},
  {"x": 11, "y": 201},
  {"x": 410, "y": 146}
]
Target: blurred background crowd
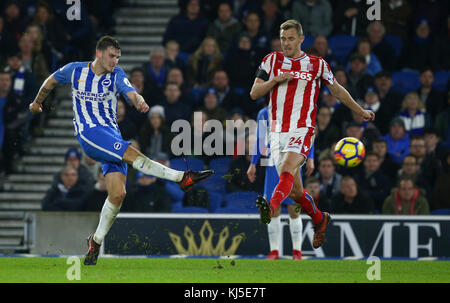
[{"x": 398, "y": 67}]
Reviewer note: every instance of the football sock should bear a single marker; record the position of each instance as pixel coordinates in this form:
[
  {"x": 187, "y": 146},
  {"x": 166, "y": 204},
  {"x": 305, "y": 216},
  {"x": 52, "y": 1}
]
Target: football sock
[
  {"x": 273, "y": 229},
  {"x": 309, "y": 207},
  {"x": 107, "y": 217},
  {"x": 296, "y": 228},
  {"x": 153, "y": 168},
  {"x": 282, "y": 190}
]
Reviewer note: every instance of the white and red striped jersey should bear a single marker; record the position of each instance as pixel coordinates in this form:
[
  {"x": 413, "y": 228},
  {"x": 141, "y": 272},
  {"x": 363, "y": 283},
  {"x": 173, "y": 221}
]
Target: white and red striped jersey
[{"x": 293, "y": 104}]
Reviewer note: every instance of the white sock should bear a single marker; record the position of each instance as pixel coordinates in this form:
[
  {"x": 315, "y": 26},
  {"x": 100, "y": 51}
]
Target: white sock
[
  {"x": 273, "y": 229},
  {"x": 107, "y": 217},
  {"x": 153, "y": 168},
  {"x": 296, "y": 228}
]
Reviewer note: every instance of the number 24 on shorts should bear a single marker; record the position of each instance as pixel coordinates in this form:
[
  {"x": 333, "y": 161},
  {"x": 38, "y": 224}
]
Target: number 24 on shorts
[{"x": 297, "y": 141}]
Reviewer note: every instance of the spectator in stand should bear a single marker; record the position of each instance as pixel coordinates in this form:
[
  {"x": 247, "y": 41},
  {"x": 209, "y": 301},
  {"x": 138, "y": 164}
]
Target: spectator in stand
[
  {"x": 397, "y": 140},
  {"x": 25, "y": 83},
  {"x": 441, "y": 190},
  {"x": 92, "y": 165},
  {"x": 434, "y": 144},
  {"x": 14, "y": 117},
  {"x": 8, "y": 43},
  {"x": 358, "y": 78},
  {"x": 226, "y": 97},
  {"x": 14, "y": 20},
  {"x": 73, "y": 158},
  {"x": 381, "y": 110},
  {"x": 329, "y": 179},
  {"x": 416, "y": 53},
  {"x": 187, "y": 28},
  {"x": 350, "y": 199},
  {"x": 154, "y": 136},
  {"x": 96, "y": 198},
  {"x": 442, "y": 124},
  {"x": 54, "y": 35},
  {"x": 327, "y": 133},
  {"x": 433, "y": 100},
  {"x": 328, "y": 100},
  {"x": 312, "y": 185},
  {"x": 320, "y": 47},
  {"x": 373, "y": 181},
  {"x": 127, "y": 127},
  {"x": 40, "y": 46},
  {"x": 175, "y": 75},
  {"x": 33, "y": 61},
  {"x": 342, "y": 77},
  {"x": 387, "y": 164},
  {"x": 315, "y": 16},
  {"x": 212, "y": 108},
  {"x": 172, "y": 50},
  {"x": 66, "y": 195},
  {"x": 396, "y": 17},
  {"x": 366, "y": 130},
  {"x": 174, "y": 107},
  {"x": 275, "y": 45},
  {"x": 380, "y": 47},
  {"x": 388, "y": 97},
  {"x": 440, "y": 60},
  {"x": 225, "y": 29},
  {"x": 271, "y": 18},
  {"x": 434, "y": 11},
  {"x": 260, "y": 40},
  {"x": 203, "y": 63},
  {"x": 152, "y": 93},
  {"x": 413, "y": 115},
  {"x": 407, "y": 199},
  {"x": 350, "y": 18},
  {"x": 430, "y": 167},
  {"x": 155, "y": 71},
  {"x": 101, "y": 16},
  {"x": 410, "y": 169},
  {"x": 373, "y": 64},
  {"x": 242, "y": 62}
]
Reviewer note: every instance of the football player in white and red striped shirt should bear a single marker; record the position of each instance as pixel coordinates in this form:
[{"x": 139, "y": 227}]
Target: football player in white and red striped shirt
[{"x": 293, "y": 79}]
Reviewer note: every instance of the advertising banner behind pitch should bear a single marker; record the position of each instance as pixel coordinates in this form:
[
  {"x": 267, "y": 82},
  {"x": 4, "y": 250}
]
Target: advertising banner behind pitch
[{"x": 226, "y": 235}]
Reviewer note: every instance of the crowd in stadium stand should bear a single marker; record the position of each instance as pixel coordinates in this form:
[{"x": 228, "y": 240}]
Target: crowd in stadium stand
[{"x": 398, "y": 67}]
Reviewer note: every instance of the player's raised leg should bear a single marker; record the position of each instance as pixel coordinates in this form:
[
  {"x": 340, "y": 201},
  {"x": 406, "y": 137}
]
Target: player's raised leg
[
  {"x": 115, "y": 185},
  {"x": 186, "y": 180}
]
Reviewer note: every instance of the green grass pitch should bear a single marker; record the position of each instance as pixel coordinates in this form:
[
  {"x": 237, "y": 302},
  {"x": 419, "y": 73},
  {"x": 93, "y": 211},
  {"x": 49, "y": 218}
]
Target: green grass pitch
[{"x": 222, "y": 271}]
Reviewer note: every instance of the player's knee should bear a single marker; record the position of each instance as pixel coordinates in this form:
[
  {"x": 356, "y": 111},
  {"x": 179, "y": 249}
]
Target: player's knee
[{"x": 118, "y": 196}]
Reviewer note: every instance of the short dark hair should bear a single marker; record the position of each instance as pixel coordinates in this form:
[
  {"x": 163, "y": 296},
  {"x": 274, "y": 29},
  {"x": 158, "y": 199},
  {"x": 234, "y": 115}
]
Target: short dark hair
[
  {"x": 311, "y": 179},
  {"x": 107, "y": 41},
  {"x": 371, "y": 153}
]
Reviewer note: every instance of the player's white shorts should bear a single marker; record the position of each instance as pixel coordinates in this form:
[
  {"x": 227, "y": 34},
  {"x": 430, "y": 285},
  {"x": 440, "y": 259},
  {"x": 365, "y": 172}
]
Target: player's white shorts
[{"x": 298, "y": 141}]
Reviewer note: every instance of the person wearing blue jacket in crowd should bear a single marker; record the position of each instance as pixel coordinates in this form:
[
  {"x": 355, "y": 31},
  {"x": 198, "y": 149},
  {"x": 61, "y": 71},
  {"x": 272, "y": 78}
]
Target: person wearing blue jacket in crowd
[
  {"x": 261, "y": 148},
  {"x": 397, "y": 140}
]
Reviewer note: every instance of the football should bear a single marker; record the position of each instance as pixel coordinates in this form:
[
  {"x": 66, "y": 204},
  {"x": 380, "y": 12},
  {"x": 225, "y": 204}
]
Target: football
[{"x": 349, "y": 152}]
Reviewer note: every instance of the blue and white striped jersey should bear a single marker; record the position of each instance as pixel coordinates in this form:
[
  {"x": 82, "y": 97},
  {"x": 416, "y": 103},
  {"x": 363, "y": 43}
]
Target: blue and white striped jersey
[{"x": 94, "y": 98}]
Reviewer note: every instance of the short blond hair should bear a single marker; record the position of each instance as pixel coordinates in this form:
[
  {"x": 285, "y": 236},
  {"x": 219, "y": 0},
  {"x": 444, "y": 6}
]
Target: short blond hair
[
  {"x": 414, "y": 97},
  {"x": 292, "y": 24}
]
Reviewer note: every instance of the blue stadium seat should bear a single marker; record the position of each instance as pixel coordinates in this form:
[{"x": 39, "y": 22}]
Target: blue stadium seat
[
  {"x": 184, "y": 56},
  {"x": 396, "y": 43},
  {"x": 215, "y": 184},
  {"x": 342, "y": 46},
  {"x": 215, "y": 201},
  {"x": 405, "y": 81},
  {"x": 243, "y": 199},
  {"x": 236, "y": 210},
  {"x": 190, "y": 209},
  {"x": 220, "y": 165},
  {"x": 174, "y": 190},
  {"x": 239, "y": 91},
  {"x": 441, "y": 211},
  {"x": 190, "y": 163},
  {"x": 198, "y": 93},
  {"x": 308, "y": 42},
  {"x": 441, "y": 80}
]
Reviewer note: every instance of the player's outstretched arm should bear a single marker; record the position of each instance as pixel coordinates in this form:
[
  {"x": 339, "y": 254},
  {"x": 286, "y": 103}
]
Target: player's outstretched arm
[
  {"x": 46, "y": 88},
  {"x": 138, "y": 101},
  {"x": 344, "y": 96}
]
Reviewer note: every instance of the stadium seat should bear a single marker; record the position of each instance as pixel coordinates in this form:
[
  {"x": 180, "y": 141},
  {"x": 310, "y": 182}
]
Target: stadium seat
[
  {"x": 308, "y": 42},
  {"x": 243, "y": 199},
  {"x": 405, "y": 81},
  {"x": 215, "y": 201},
  {"x": 187, "y": 163},
  {"x": 342, "y": 46},
  {"x": 396, "y": 43},
  {"x": 441, "y": 80},
  {"x": 220, "y": 165},
  {"x": 215, "y": 184},
  {"x": 239, "y": 91},
  {"x": 174, "y": 190},
  {"x": 190, "y": 209},
  {"x": 184, "y": 56},
  {"x": 177, "y": 205},
  {"x": 198, "y": 93},
  {"x": 441, "y": 211}
]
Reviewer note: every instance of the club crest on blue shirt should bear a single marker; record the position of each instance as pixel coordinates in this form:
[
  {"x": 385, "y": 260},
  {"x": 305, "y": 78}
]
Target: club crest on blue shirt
[
  {"x": 117, "y": 145},
  {"x": 106, "y": 82}
]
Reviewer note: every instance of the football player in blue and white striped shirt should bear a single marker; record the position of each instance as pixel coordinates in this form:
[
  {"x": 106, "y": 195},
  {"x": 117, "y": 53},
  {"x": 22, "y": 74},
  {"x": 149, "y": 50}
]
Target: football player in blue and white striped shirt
[{"x": 96, "y": 86}]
